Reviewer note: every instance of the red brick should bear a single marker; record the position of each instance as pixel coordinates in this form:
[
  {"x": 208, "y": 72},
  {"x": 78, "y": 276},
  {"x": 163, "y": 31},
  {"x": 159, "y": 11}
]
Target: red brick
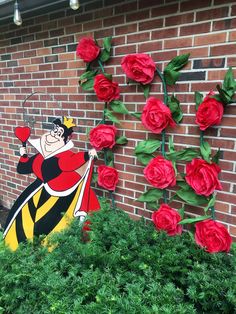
[
  {"x": 150, "y": 24},
  {"x": 180, "y": 42},
  {"x": 165, "y": 10},
  {"x": 116, "y": 20},
  {"x": 192, "y": 5},
  {"x": 137, "y": 16},
  {"x": 151, "y": 46},
  {"x": 224, "y": 24},
  {"x": 210, "y": 39},
  {"x": 138, "y": 37},
  {"x": 179, "y": 19},
  {"x": 126, "y": 29},
  {"x": 164, "y": 33},
  {"x": 212, "y": 14}
]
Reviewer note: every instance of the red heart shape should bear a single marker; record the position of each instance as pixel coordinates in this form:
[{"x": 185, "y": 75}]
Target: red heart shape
[{"x": 22, "y": 133}]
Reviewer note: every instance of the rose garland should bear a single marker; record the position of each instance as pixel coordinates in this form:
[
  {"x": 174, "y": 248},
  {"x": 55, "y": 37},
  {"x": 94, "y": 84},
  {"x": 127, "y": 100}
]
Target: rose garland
[
  {"x": 198, "y": 185},
  {"x": 103, "y": 137}
]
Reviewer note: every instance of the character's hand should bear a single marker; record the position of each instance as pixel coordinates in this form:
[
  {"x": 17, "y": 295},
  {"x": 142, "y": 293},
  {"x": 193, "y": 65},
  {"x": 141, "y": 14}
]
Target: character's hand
[
  {"x": 92, "y": 152},
  {"x": 23, "y": 151}
]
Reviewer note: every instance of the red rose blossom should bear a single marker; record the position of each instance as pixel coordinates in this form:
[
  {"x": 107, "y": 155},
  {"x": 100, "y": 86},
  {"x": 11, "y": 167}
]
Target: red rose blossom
[
  {"x": 213, "y": 236},
  {"x": 209, "y": 113},
  {"x": 87, "y": 49},
  {"x": 139, "y": 67},
  {"x": 167, "y": 219},
  {"x": 156, "y": 116},
  {"x": 105, "y": 89},
  {"x": 103, "y": 136},
  {"x": 160, "y": 173},
  {"x": 202, "y": 176},
  {"x": 107, "y": 177}
]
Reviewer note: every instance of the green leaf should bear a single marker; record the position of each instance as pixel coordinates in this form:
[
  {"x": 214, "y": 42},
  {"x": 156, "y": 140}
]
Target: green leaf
[
  {"x": 193, "y": 220},
  {"x": 146, "y": 90},
  {"x": 183, "y": 185},
  {"x": 137, "y": 115},
  {"x": 108, "y": 76},
  {"x": 119, "y": 107},
  {"x": 171, "y": 144},
  {"x": 216, "y": 157},
  {"x": 171, "y": 71},
  {"x": 86, "y": 80},
  {"x": 111, "y": 117},
  {"x": 171, "y": 77},
  {"x": 229, "y": 84},
  {"x": 186, "y": 154},
  {"x": 104, "y": 56},
  {"x": 107, "y": 43},
  {"x": 205, "y": 150},
  {"x": 87, "y": 75},
  {"x": 181, "y": 212},
  {"x": 121, "y": 140},
  {"x": 152, "y": 205},
  {"x": 175, "y": 109},
  {"x": 147, "y": 147},
  {"x": 88, "y": 85},
  {"x": 198, "y": 99},
  {"x": 94, "y": 177},
  {"x": 190, "y": 197},
  {"x": 210, "y": 203},
  {"x": 144, "y": 158},
  {"x": 224, "y": 96},
  {"x": 151, "y": 195},
  {"x": 109, "y": 157}
]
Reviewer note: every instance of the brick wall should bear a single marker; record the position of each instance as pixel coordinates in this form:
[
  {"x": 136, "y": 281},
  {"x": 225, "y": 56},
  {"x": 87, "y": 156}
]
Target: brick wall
[{"x": 40, "y": 56}]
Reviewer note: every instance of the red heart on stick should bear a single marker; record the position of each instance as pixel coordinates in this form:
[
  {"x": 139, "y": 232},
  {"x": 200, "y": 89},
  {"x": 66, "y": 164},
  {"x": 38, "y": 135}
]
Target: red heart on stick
[{"x": 22, "y": 133}]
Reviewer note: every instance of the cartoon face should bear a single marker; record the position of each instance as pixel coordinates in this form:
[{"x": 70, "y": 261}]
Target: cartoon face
[{"x": 52, "y": 141}]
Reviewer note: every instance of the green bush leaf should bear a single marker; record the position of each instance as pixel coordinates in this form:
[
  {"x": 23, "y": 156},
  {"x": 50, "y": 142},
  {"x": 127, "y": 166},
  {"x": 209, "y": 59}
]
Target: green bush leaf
[
  {"x": 146, "y": 90},
  {"x": 186, "y": 154},
  {"x": 119, "y": 107},
  {"x": 121, "y": 140},
  {"x": 87, "y": 75},
  {"x": 88, "y": 85},
  {"x": 198, "y": 99},
  {"x": 111, "y": 117},
  {"x": 190, "y": 197},
  {"x": 183, "y": 185},
  {"x": 144, "y": 158},
  {"x": 205, "y": 150},
  {"x": 86, "y": 80},
  {"x": 147, "y": 147},
  {"x": 175, "y": 109},
  {"x": 137, "y": 115},
  {"x": 181, "y": 212},
  {"x": 171, "y": 71},
  {"x": 193, "y": 220},
  {"x": 210, "y": 203},
  {"x": 151, "y": 195}
]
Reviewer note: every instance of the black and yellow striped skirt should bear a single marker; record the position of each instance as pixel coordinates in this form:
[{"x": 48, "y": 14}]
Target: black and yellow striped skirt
[{"x": 36, "y": 213}]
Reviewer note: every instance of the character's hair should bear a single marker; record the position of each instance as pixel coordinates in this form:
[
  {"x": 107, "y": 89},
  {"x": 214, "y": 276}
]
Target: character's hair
[{"x": 67, "y": 131}]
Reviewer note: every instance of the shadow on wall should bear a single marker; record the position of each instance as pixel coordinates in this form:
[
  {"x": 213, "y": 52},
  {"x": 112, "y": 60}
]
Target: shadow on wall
[{"x": 3, "y": 216}]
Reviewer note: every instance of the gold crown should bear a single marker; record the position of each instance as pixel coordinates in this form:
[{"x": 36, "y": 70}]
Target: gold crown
[{"x": 68, "y": 122}]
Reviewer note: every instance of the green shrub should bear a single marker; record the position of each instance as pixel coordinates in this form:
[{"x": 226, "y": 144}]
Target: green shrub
[{"x": 126, "y": 267}]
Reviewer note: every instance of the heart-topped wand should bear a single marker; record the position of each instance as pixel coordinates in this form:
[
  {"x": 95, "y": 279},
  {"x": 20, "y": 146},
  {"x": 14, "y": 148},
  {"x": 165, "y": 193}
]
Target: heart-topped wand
[{"x": 22, "y": 133}]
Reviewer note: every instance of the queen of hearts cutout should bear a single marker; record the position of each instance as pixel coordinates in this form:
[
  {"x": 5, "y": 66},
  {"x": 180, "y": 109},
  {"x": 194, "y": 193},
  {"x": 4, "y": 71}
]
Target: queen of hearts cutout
[{"x": 60, "y": 192}]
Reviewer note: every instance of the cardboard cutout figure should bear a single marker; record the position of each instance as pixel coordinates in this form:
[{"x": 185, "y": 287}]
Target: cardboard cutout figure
[{"x": 60, "y": 191}]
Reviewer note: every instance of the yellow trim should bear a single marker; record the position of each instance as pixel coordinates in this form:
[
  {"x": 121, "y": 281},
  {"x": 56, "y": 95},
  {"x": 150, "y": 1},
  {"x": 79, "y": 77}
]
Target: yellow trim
[{"x": 11, "y": 238}]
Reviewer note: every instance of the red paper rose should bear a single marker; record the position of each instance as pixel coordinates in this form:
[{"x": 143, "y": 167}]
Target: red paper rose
[
  {"x": 87, "y": 49},
  {"x": 107, "y": 177},
  {"x": 167, "y": 219},
  {"x": 160, "y": 173},
  {"x": 105, "y": 89},
  {"x": 202, "y": 176},
  {"x": 103, "y": 136},
  {"x": 139, "y": 67},
  {"x": 213, "y": 236},
  {"x": 210, "y": 112},
  {"x": 156, "y": 116}
]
